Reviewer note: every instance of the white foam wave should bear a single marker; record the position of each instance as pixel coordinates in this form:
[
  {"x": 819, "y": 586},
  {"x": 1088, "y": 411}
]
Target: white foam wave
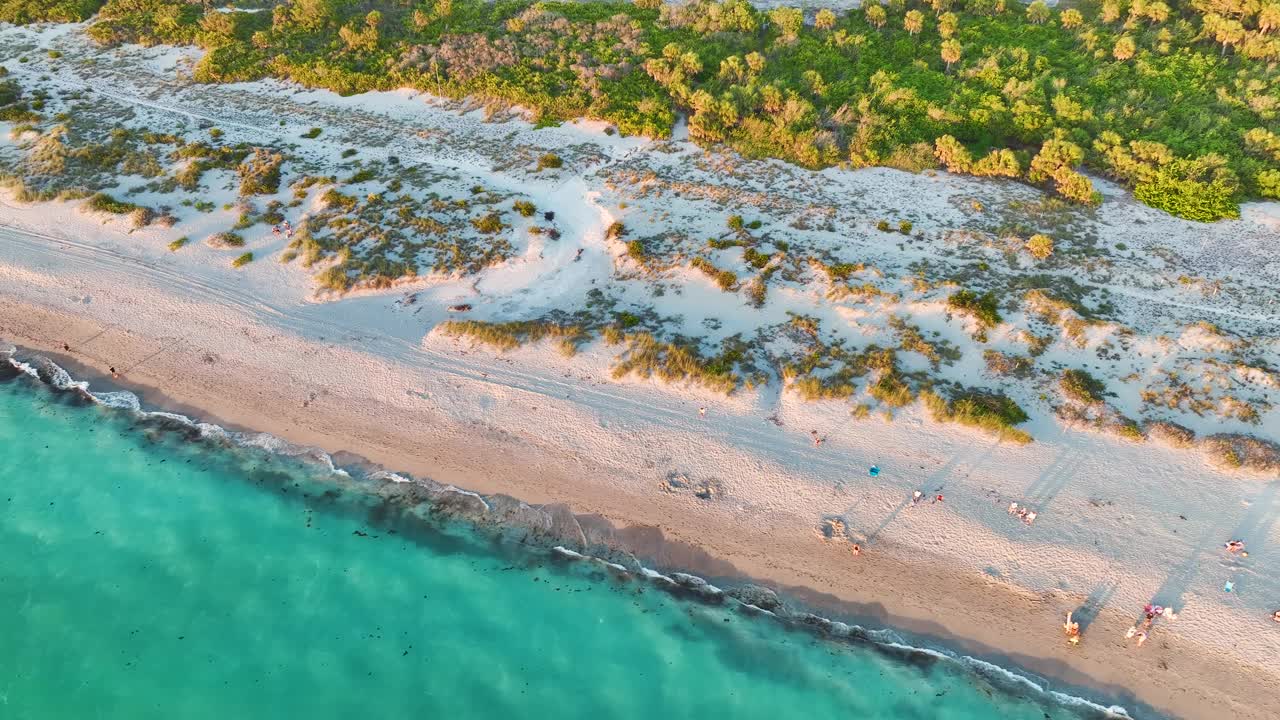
[
  {"x": 460, "y": 491},
  {"x": 990, "y": 669},
  {"x": 122, "y": 400}
]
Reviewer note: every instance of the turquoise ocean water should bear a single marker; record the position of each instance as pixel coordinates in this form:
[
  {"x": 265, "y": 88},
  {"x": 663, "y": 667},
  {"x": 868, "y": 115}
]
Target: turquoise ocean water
[{"x": 143, "y": 575}]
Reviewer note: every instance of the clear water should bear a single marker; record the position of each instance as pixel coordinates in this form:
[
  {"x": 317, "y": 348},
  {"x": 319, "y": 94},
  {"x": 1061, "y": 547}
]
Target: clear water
[{"x": 142, "y": 576}]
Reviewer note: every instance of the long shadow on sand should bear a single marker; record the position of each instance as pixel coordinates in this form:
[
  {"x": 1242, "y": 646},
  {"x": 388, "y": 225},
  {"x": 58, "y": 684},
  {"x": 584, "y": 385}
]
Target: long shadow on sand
[
  {"x": 1040, "y": 493},
  {"x": 933, "y": 484},
  {"x": 1097, "y": 600}
]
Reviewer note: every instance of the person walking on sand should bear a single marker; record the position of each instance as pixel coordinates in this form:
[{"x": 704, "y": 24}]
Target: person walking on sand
[
  {"x": 915, "y": 497},
  {"x": 702, "y": 412},
  {"x": 857, "y": 550},
  {"x": 817, "y": 441}
]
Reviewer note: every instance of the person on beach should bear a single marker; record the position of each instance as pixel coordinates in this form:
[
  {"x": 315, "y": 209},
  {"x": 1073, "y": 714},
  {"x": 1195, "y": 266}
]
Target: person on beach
[
  {"x": 1031, "y": 517},
  {"x": 1276, "y": 616},
  {"x": 702, "y": 412},
  {"x": 817, "y": 441},
  {"x": 857, "y": 550},
  {"x": 1236, "y": 547},
  {"x": 1013, "y": 508},
  {"x": 937, "y": 498},
  {"x": 1142, "y": 637},
  {"x": 1072, "y": 629},
  {"x": 915, "y": 497}
]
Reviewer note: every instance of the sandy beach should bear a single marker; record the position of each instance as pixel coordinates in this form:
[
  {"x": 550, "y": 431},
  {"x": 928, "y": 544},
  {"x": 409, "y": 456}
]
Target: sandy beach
[
  {"x": 960, "y": 573},
  {"x": 1179, "y": 319}
]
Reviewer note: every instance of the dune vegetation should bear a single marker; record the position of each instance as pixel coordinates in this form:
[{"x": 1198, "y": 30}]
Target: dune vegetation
[{"x": 1177, "y": 101}]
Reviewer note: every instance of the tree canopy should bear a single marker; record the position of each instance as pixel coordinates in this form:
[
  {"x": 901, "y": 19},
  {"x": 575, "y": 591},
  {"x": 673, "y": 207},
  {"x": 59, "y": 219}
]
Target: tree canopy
[{"x": 1160, "y": 97}]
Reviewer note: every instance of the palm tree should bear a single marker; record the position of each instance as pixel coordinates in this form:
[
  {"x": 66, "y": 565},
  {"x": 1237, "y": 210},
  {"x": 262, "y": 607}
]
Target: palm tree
[
  {"x": 913, "y": 22},
  {"x": 950, "y": 52}
]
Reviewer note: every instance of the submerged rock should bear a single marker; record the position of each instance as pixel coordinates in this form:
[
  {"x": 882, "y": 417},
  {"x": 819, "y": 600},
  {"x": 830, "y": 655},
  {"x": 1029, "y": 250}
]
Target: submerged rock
[{"x": 761, "y": 597}]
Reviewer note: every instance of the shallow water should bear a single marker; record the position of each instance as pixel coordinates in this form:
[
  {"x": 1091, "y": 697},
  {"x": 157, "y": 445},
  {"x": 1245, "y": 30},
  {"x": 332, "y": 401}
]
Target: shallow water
[{"x": 145, "y": 576}]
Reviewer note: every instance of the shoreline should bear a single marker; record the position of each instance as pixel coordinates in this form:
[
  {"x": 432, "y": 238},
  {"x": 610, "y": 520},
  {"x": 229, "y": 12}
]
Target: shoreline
[
  {"x": 940, "y": 605},
  {"x": 636, "y": 548}
]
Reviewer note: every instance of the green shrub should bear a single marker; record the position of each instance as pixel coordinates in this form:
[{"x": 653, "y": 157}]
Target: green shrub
[
  {"x": 313, "y": 133},
  {"x": 550, "y": 161},
  {"x": 524, "y": 207},
  {"x": 243, "y": 260},
  {"x": 1040, "y": 246},
  {"x": 983, "y": 308},
  {"x": 23, "y": 12},
  {"x": 103, "y": 202},
  {"x": 178, "y": 244},
  {"x": 489, "y": 224},
  {"x": 1080, "y": 386}
]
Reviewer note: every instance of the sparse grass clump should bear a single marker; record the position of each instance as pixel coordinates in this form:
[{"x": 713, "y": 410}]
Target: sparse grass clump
[
  {"x": 725, "y": 279},
  {"x": 1082, "y": 387},
  {"x": 1243, "y": 451},
  {"x": 260, "y": 173},
  {"x": 243, "y": 260},
  {"x": 226, "y": 240},
  {"x": 525, "y": 208},
  {"x": 511, "y": 335},
  {"x": 489, "y": 224},
  {"x": 1171, "y": 433},
  {"x": 313, "y": 133},
  {"x": 647, "y": 356},
  {"x": 1005, "y": 364},
  {"x": 334, "y": 278},
  {"x": 992, "y": 412},
  {"x": 178, "y": 244},
  {"x": 550, "y": 161}
]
